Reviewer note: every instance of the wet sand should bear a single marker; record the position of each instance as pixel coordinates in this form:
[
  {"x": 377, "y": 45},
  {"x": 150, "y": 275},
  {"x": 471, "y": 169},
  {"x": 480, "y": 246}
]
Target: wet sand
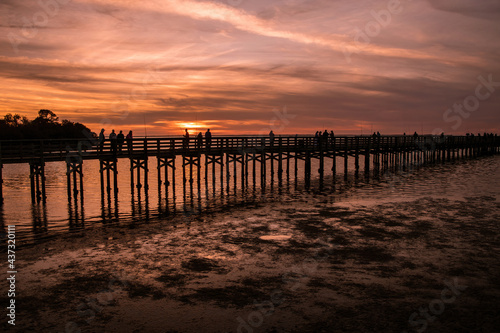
[{"x": 309, "y": 265}]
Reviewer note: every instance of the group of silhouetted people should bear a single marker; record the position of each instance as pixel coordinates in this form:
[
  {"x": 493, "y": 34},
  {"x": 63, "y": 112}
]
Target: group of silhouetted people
[
  {"x": 484, "y": 134},
  {"x": 321, "y": 139},
  {"x": 324, "y": 138},
  {"x": 116, "y": 141},
  {"x": 199, "y": 139}
]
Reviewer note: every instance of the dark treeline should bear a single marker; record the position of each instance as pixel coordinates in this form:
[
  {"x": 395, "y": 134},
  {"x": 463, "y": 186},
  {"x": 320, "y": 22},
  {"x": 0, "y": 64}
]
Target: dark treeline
[{"x": 45, "y": 126}]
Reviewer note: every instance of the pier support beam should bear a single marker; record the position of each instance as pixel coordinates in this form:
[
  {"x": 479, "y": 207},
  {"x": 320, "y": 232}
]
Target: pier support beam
[
  {"x": 263, "y": 168},
  {"x": 356, "y": 158},
  {"x": 321, "y": 167},
  {"x": 193, "y": 159},
  {"x": 139, "y": 163},
  {"x": 214, "y": 159},
  {"x": 236, "y": 158},
  {"x": 307, "y": 170},
  {"x": 166, "y": 162},
  {"x": 37, "y": 180},
  {"x": 107, "y": 166},
  {"x": 74, "y": 174},
  {"x": 280, "y": 167}
]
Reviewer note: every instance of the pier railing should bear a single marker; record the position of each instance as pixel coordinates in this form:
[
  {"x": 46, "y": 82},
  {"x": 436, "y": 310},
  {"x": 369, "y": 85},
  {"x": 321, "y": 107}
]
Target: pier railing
[{"x": 19, "y": 151}]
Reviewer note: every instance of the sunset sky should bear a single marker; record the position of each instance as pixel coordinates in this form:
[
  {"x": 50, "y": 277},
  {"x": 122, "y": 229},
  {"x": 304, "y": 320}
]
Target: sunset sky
[{"x": 249, "y": 66}]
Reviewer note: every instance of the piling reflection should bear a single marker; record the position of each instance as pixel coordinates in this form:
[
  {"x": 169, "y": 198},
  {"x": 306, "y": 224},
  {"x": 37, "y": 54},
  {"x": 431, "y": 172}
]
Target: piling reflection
[
  {"x": 39, "y": 215},
  {"x": 109, "y": 207},
  {"x": 140, "y": 204},
  {"x": 76, "y": 214}
]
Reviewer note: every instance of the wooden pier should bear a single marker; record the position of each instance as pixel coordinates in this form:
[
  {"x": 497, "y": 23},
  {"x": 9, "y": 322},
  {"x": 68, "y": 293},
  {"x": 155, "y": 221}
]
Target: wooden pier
[{"x": 261, "y": 156}]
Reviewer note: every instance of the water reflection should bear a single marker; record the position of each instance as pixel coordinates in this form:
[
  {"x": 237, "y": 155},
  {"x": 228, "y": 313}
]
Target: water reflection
[
  {"x": 39, "y": 214},
  {"x": 193, "y": 195},
  {"x": 109, "y": 207},
  {"x": 140, "y": 206},
  {"x": 76, "y": 214}
]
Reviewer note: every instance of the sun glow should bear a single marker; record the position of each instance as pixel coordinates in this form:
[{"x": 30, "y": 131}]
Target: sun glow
[{"x": 192, "y": 127}]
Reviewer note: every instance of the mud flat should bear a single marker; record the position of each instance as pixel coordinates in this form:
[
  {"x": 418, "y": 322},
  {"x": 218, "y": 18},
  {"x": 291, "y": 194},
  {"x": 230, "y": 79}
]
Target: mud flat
[{"x": 311, "y": 265}]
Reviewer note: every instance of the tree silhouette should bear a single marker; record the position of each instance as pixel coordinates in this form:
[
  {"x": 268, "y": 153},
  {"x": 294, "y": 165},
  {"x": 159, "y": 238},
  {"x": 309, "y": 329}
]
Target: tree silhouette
[
  {"x": 48, "y": 115},
  {"x": 45, "y": 126}
]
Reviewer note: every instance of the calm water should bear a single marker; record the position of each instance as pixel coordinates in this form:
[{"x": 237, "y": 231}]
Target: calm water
[{"x": 479, "y": 177}]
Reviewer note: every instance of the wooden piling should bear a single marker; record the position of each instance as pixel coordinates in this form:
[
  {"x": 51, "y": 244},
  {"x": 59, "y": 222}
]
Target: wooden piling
[
  {"x": 307, "y": 170},
  {"x": 367, "y": 158},
  {"x": 74, "y": 172},
  {"x": 263, "y": 170},
  {"x": 321, "y": 166},
  {"x": 108, "y": 165},
  {"x": 280, "y": 162},
  {"x": 37, "y": 181},
  {"x": 334, "y": 159}
]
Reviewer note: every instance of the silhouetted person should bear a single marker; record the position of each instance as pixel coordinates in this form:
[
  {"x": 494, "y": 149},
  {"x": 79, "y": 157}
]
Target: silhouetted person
[
  {"x": 120, "y": 138},
  {"x": 101, "y": 140},
  {"x": 332, "y": 138},
  {"x": 271, "y": 137},
  {"x": 325, "y": 135},
  {"x": 186, "y": 139},
  {"x": 208, "y": 138},
  {"x": 324, "y": 138},
  {"x": 415, "y": 135},
  {"x": 199, "y": 140},
  {"x": 374, "y": 135},
  {"x": 378, "y": 134},
  {"x": 112, "y": 139},
  {"x": 129, "y": 138},
  {"x": 316, "y": 138}
]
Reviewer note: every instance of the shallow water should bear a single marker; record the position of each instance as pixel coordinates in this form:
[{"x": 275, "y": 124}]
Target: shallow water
[
  {"x": 384, "y": 256},
  {"x": 457, "y": 180}
]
